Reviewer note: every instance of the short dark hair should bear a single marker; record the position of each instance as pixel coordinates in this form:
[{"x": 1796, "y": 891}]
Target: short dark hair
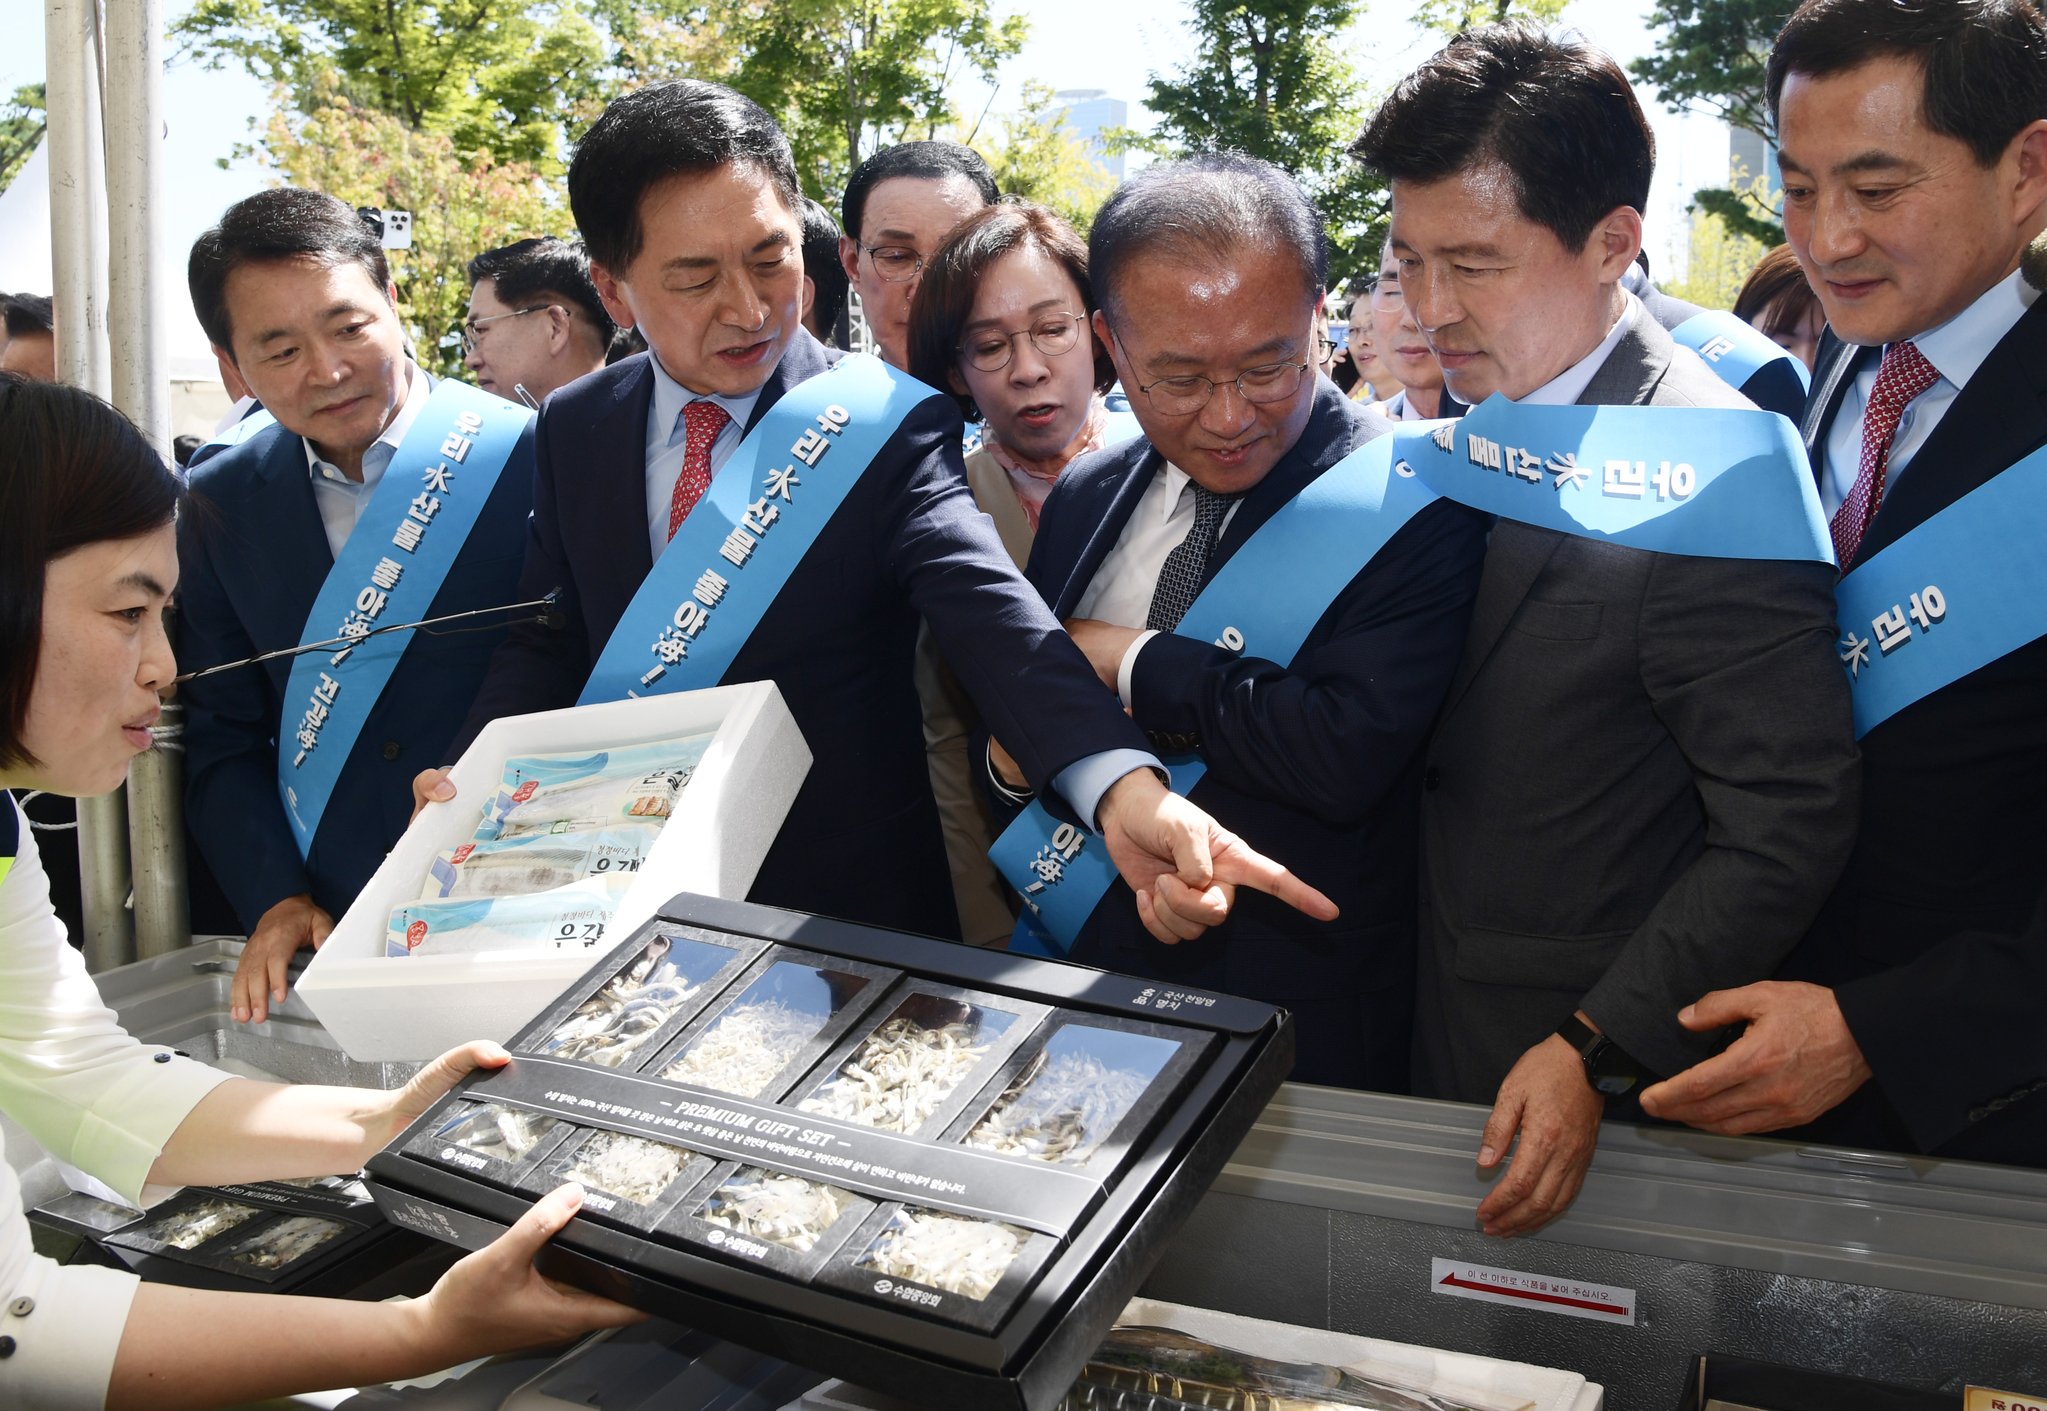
[
  {"x": 821, "y": 263},
  {"x": 544, "y": 265},
  {"x": 926, "y": 161},
  {"x": 28, "y": 313},
  {"x": 73, "y": 471},
  {"x": 1777, "y": 285},
  {"x": 1207, "y": 208},
  {"x": 685, "y": 127},
  {"x": 952, "y": 277},
  {"x": 1552, "y": 109},
  {"x": 1984, "y": 61},
  {"x": 281, "y": 224}
]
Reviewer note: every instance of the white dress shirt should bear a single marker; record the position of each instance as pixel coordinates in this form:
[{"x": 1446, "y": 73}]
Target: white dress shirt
[
  {"x": 94, "y": 1097},
  {"x": 342, "y": 500},
  {"x": 1956, "y": 349},
  {"x": 1121, "y": 590},
  {"x": 666, "y": 444}
]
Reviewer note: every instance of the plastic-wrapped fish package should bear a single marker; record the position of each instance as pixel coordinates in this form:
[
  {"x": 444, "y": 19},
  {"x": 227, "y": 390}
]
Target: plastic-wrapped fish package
[
  {"x": 192, "y": 1227},
  {"x": 637, "y": 1170},
  {"x": 792, "y": 1211},
  {"x": 909, "y": 1068},
  {"x": 951, "y": 1253},
  {"x": 492, "y": 1139},
  {"x": 640, "y": 1001},
  {"x": 568, "y": 918},
  {"x": 285, "y": 1242},
  {"x": 575, "y": 793},
  {"x": 784, "y": 1016},
  {"x": 1072, "y": 1094},
  {"x": 537, "y": 862}
]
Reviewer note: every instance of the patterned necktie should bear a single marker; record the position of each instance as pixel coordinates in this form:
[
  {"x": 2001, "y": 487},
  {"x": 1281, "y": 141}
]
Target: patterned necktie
[
  {"x": 701, "y": 423},
  {"x": 1180, "y": 575},
  {"x": 1903, "y": 375}
]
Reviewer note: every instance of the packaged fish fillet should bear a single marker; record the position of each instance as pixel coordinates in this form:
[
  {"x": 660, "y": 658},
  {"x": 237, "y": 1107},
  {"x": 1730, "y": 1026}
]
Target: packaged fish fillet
[
  {"x": 192, "y": 1227},
  {"x": 634, "y": 1005},
  {"x": 576, "y": 793},
  {"x": 1072, "y": 1094},
  {"x": 953, "y": 1253},
  {"x": 285, "y": 1242},
  {"x": 571, "y": 918},
  {"x": 537, "y": 862},
  {"x": 772, "y": 1205}
]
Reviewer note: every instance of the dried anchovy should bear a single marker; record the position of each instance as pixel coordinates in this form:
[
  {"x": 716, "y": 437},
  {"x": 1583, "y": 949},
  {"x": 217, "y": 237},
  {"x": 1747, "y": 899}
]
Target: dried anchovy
[
  {"x": 899, "y": 1076},
  {"x": 189, "y": 1229},
  {"x": 286, "y": 1241},
  {"x": 490, "y": 1129},
  {"x": 771, "y": 1206},
  {"x": 607, "y": 1028},
  {"x": 631, "y": 1168},
  {"x": 744, "y": 1051},
  {"x": 1061, "y": 1112},
  {"x": 948, "y": 1252}
]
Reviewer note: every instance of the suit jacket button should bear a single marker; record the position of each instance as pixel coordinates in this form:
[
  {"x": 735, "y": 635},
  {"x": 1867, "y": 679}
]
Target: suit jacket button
[
  {"x": 391, "y": 750},
  {"x": 1432, "y": 778}
]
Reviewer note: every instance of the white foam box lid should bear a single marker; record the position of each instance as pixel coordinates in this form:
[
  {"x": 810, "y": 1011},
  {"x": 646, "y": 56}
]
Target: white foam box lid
[{"x": 388, "y": 1008}]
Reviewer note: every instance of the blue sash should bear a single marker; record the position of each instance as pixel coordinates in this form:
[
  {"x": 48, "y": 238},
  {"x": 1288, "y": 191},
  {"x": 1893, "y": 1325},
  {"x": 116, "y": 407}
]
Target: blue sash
[
  {"x": 256, "y": 420},
  {"x": 1264, "y": 602},
  {"x": 1620, "y": 474},
  {"x": 391, "y": 569},
  {"x": 1734, "y": 348},
  {"x": 1956, "y": 593},
  {"x": 744, "y": 538}
]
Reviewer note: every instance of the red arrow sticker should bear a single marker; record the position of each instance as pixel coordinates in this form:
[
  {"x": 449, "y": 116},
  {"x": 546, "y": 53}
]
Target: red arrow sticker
[{"x": 1542, "y": 1293}]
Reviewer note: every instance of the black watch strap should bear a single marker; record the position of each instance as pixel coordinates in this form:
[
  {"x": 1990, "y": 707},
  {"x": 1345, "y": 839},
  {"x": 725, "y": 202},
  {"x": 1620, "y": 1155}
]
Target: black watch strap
[{"x": 1608, "y": 1067}]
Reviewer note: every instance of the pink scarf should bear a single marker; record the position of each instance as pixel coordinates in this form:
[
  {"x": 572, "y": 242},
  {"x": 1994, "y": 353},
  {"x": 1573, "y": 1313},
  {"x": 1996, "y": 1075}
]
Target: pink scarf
[{"x": 1031, "y": 484}]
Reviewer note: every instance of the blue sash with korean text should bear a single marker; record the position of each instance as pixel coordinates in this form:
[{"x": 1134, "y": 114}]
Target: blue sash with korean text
[
  {"x": 1710, "y": 482},
  {"x": 1264, "y": 602},
  {"x": 1954, "y": 594},
  {"x": 390, "y": 570},
  {"x": 1735, "y": 349},
  {"x": 764, "y": 509}
]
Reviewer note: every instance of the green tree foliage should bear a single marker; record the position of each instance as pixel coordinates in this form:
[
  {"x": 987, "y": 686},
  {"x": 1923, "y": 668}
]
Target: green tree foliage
[
  {"x": 1718, "y": 261},
  {"x": 1452, "y": 16},
  {"x": 502, "y": 76},
  {"x": 1037, "y": 155},
  {"x": 1270, "y": 79},
  {"x": 22, "y": 121},
  {"x": 1712, "y": 54}
]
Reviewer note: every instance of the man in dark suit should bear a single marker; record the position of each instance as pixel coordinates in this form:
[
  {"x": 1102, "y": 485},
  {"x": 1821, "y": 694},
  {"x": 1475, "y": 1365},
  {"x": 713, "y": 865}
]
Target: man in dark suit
[
  {"x": 1211, "y": 270},
  {"x": 686, "y": 196},
  {"x": 294, "y": 294},
  {"x": 1915, "y": 173},
  {"x": 1644, "y": 773}
]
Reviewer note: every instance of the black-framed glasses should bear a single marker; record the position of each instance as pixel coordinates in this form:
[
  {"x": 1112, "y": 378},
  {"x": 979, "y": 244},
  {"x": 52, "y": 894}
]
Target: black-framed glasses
[
  {"x": 991, "y": 350},
  {"x": 471, "y": 331},
  {"x": 898, "y": 264},
  {"x": 1268, "y": 382}
]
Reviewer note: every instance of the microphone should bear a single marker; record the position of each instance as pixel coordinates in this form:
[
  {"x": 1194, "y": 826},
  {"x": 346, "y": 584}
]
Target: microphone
[{"x": 550, "y": 616}]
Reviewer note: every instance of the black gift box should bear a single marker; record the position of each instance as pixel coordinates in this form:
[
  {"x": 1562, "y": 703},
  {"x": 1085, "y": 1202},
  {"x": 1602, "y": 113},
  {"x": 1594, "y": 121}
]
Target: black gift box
[
  {"x": 1060, "y": 1124},
  {"x": 1718, "y": 1380}
]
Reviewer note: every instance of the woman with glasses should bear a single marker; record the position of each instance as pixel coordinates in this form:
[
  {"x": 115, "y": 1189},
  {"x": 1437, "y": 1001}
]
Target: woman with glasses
[
  {"x": 1414, "y": 378},
  {"x": 1372, "y": 379}
]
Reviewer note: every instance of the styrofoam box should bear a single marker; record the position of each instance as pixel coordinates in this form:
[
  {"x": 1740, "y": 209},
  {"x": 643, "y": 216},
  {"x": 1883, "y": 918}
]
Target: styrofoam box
[{"x": 382, "y": 1007}]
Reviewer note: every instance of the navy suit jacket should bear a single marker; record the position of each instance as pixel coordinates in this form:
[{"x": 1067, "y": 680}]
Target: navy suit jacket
[
  {"x": 252, "y": 556},
  {"x": 862, "y": 839},
  {"x": 1315, "y": 763},
  {"x": 1925, "y": 940}
]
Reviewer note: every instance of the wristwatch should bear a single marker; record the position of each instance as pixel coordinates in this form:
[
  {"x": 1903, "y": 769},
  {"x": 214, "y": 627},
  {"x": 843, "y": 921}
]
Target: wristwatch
[{"x": 1607, "y": 1065}]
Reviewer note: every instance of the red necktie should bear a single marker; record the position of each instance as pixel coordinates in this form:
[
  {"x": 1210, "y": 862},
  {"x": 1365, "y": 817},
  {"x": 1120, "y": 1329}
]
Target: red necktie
[
  {"x": 1903, "y": 375},
  {"x": 701, "y": 423}
]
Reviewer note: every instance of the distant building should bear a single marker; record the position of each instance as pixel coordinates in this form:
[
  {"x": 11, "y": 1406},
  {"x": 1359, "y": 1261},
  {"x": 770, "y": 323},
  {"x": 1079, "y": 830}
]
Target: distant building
[{"x": 1089, "y": 112}]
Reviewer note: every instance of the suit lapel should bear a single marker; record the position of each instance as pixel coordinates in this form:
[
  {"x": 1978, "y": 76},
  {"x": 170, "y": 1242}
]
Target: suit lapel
[
  {"x": 611, "y": 479},
  {"x": 1837, "y": 364},
  {"x": 290, "y": 555}
]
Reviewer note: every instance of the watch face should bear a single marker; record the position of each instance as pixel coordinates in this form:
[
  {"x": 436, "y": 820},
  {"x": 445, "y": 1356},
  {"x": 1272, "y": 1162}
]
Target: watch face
[{"x": 1611, "y": 1070}]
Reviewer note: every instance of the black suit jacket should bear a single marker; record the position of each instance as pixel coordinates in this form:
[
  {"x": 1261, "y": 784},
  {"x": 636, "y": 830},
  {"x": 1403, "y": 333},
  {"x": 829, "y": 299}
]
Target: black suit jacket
[
  {"x": 1924, "y": 939},
  {"x": 252, "y": 556},
  {"x": 862, "y": 839},
  {"x": 1314, "y": 763}
]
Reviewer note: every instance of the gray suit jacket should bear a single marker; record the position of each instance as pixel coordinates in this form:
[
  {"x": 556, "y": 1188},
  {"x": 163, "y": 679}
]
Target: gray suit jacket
[{"x": 1641, "y": 788}]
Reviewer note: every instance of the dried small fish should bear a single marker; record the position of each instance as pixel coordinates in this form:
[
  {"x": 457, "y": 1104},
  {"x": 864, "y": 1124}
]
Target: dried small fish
[
  {"x": 286, "y": 1241},
  {"x": 901, "y": 1074},
  {"x": 631, "y": 1168},
  {"x": 772, "y": 1206},
  {"x": 1060, "y": 1111},
  {"x": 492, "y": 1129},
  {"x": 609, "y": 1027},
  {"x": 948, "y": 1252},
  {"x": 743, "y": 1052},
  {"x": 188, "y": 1229}
]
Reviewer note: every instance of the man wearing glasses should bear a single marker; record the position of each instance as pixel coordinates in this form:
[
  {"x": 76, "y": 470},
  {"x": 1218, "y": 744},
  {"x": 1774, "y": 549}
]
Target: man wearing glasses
[
  {"x": 899, "y": 205},
  {"x": 1210, "y": 273},
  {"x": 535, "y": 322}
]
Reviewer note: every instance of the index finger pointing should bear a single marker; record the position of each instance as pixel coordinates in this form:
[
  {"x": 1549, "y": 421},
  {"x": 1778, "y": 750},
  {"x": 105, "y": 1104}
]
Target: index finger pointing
[{"x": 1245, "y": 866}]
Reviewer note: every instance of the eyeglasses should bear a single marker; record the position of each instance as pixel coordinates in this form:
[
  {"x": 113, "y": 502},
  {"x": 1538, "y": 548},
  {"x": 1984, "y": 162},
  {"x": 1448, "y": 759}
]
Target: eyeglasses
[
  {"x": 471, "y": 331},
  {"x": 1268, "y": 382},
  {"x": 898, "y": 264},
  {"x": 1386, "y": 295},
  {"x": 991, "y": 350}
]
